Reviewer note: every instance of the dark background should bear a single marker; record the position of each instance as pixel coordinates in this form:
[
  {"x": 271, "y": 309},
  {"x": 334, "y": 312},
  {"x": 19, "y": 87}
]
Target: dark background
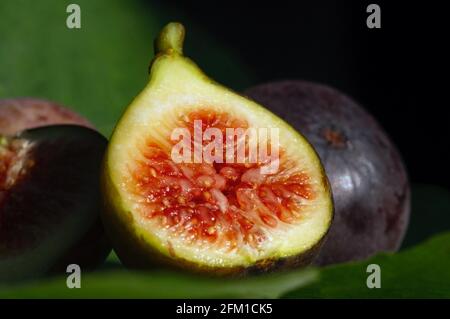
[{"x": 396, "y": 72}]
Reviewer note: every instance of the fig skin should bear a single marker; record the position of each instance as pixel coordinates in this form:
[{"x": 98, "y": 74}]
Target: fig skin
[
  {"x": 88, "y": 248},
  {"x": 175, "y": 79},
  {"x": 89, "y": 252},
  {"x": 23, "y": 113},
  {"x": 19, "y": 114},
  {"x": 134, "y": 252},
  {"x": 368, "y": 179}
]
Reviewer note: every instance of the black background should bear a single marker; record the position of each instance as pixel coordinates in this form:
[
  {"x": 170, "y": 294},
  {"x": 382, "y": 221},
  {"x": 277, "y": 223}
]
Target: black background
[{"x": 396, "y": 72}]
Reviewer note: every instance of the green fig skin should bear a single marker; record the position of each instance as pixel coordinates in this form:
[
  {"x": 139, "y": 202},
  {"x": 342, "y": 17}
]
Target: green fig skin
[{"x": 172, "y": 75}]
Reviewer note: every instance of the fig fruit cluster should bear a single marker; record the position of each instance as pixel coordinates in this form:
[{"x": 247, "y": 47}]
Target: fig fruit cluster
[{"x": 340, "y": 191}]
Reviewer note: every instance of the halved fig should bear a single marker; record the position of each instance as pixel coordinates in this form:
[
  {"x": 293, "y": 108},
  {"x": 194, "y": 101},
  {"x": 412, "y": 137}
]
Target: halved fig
[
  {"x": 215, "y": 214},
  {"x": 49, "y": 201}
]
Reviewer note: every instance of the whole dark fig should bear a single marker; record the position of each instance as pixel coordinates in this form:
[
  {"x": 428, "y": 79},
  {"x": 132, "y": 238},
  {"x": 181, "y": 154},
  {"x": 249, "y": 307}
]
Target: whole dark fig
[{"x": 368, "y": 179}]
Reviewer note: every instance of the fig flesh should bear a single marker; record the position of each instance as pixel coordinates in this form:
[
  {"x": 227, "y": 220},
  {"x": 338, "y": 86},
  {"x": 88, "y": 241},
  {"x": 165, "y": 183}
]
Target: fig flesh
[{"x": 218, "y": 216}]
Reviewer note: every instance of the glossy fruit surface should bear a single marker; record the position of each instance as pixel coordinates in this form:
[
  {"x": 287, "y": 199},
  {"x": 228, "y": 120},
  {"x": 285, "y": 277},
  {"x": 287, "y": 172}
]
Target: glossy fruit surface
[
  {"x": 212, "y": 216},
  {"x": 368, "y": 179},
  {"x": 49, "y": 201},
  {"x": 20, "y": 114}
]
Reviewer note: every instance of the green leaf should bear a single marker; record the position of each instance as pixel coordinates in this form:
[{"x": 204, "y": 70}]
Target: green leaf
[
  {"x": 158, "y": 284},
  {"x": 419, "y": 272},
  {"x": 98, "y": 69}
]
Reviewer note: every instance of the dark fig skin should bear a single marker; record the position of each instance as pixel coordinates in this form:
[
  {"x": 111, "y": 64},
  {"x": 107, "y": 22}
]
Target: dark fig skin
[
  {"x": 368, "y": 179},
  {"x": 24, "y": 113},
  {"x": 19, "y": 114},
  {"x": 42, "y": 204}
]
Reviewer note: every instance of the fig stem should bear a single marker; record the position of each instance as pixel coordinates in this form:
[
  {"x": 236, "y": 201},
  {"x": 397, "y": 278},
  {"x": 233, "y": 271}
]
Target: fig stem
[{"x": 171, "y": 39}]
